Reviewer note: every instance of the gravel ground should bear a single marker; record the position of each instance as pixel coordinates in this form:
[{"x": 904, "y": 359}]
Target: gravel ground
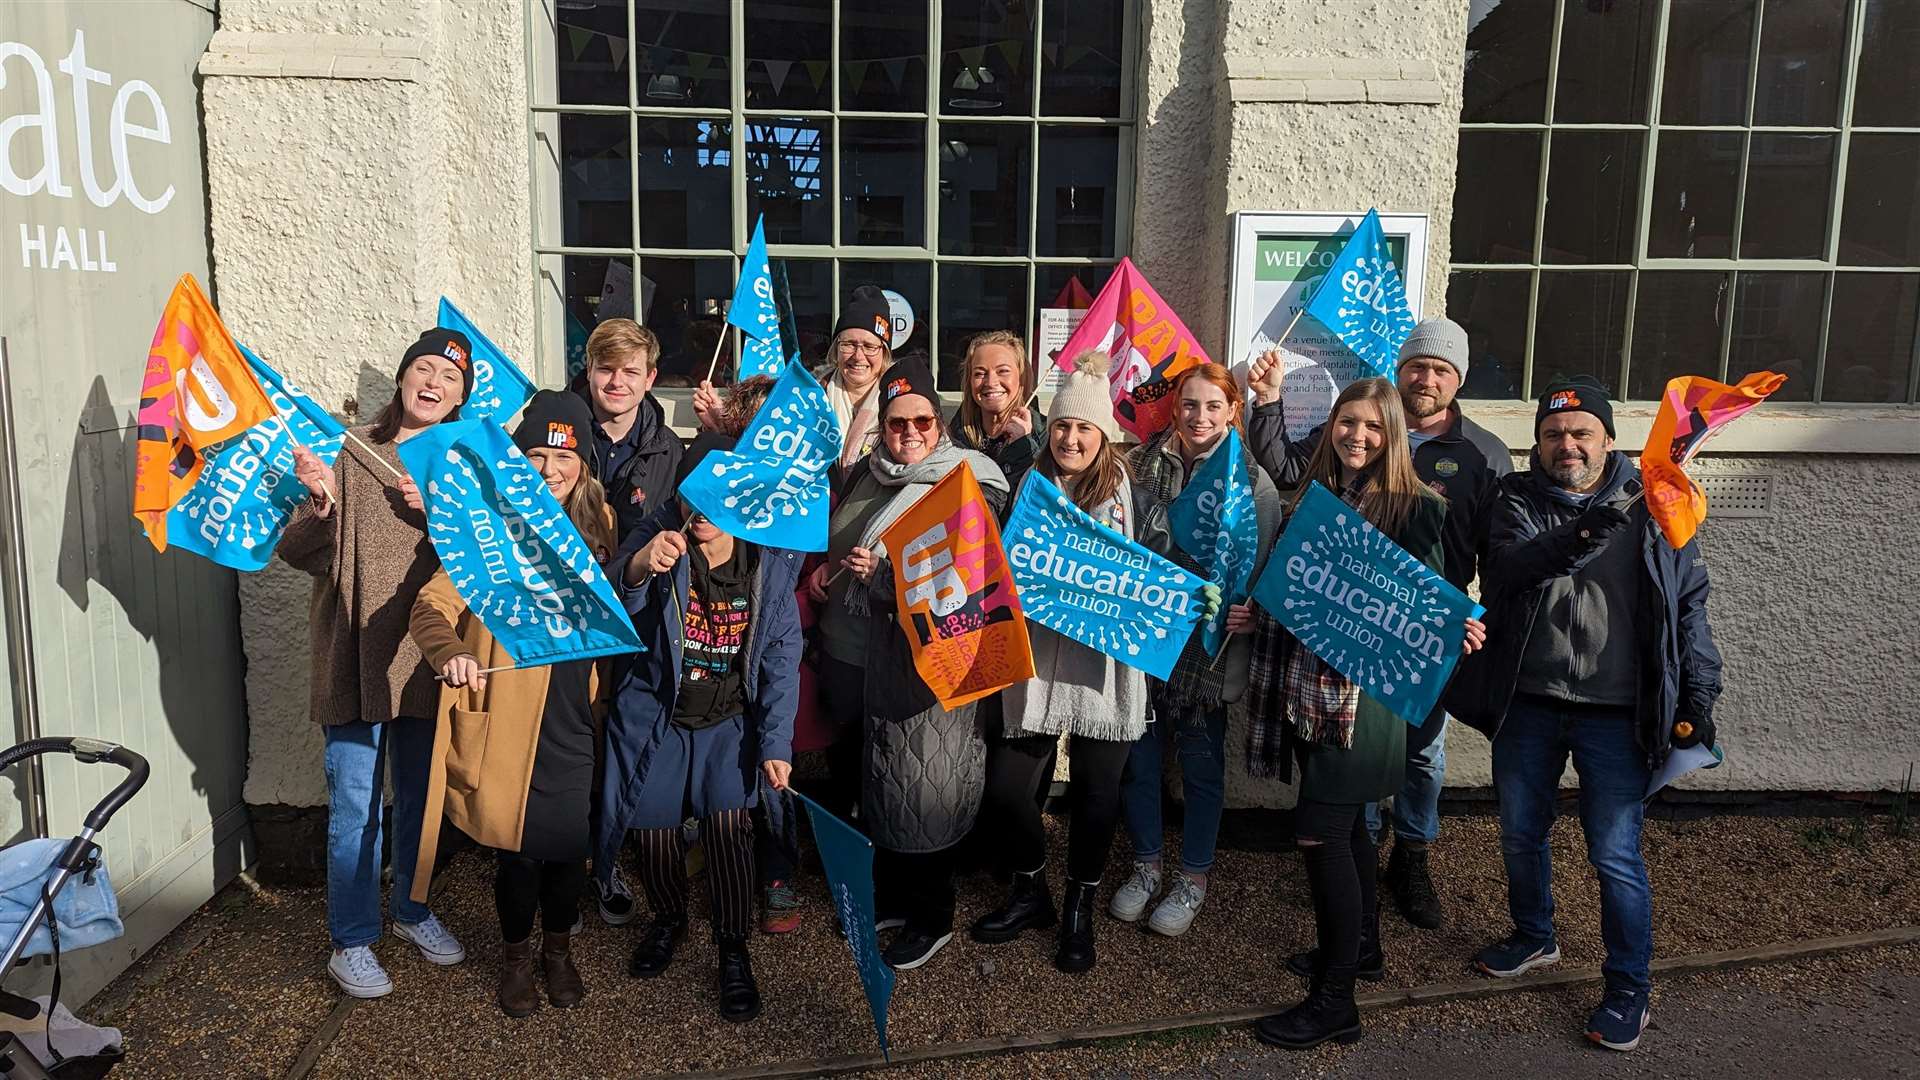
[{"x": 248, "y": 995}]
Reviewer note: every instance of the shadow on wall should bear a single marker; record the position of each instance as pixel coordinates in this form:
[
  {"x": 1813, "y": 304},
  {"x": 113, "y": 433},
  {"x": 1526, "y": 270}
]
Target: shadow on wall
[{"x": 182, "y": 607}]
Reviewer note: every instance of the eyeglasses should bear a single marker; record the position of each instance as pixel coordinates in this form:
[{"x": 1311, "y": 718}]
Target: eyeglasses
[
  {"x": 861, "y": 347},
  {"x": 898, "y": 424}
]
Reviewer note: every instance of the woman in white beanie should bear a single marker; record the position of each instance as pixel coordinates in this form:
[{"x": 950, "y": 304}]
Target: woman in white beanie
[{"x": 1077, "y": 691}]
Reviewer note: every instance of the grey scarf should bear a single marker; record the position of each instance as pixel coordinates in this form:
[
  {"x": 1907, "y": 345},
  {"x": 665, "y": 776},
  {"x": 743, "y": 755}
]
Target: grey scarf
[{"x": 910, "y": 483}]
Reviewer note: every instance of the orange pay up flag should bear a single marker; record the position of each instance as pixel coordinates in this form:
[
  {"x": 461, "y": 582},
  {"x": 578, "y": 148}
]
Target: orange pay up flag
[
  {"x": 1693, "y": 408},
  {"x": 197, "y": 392},
  {"x": 957, "y": 603}
]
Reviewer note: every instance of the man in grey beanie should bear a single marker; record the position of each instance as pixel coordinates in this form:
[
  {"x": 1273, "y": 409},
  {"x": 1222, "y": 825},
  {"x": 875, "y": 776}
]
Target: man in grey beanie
[{"x": 1462, "y": 462}]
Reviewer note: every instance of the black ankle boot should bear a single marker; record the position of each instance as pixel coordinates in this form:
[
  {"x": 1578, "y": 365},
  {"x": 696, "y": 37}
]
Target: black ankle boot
[
  {"x": 739, "y": 994},
  {"x": 1371, "y": 967},
  {"x": 1075, "y": 951},
  {"x": 1327, "y": 1013},
  {"x": 1029, "y": 906},
  {"x": 656, "y": 947},
  {"x": 1412, "y": 885}
]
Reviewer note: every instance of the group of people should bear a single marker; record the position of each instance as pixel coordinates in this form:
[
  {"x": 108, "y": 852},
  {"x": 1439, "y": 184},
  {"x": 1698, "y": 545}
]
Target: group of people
[{"x": 1595, "y": 645}]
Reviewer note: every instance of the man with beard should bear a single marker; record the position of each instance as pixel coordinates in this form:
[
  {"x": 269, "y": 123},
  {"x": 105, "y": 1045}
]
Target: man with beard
[
  {"x": 1598, "y": 649},
  {"x": 1462, "y": 462}
]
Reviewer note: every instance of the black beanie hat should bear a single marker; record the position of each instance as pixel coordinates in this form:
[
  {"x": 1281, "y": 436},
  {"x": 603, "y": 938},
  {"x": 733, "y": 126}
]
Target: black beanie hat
[
  {"x": 908, "y": 377},
  {"x": 867, "y": 310},
  {"x": 705, "y": 443},
  {"x": 1582, "y": 393},
  {"x": 556, "y": 420},
  {"x": 447, "y": 345}
]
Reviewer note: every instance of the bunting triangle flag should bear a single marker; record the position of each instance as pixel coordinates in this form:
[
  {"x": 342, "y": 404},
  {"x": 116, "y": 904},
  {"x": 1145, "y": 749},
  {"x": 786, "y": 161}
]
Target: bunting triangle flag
[
  {"x": 896, "y": 71},
  {"x": 1012, "y": 50},
  {"x": 1051, "y": 52},
  {"x": 777, "y": 72},
  {"x": 658, "y": 57},
  {"x": 817, "y": 72},
  {"x": 577, "y": 40},
  {"x": 698, "y": 64},
  {"x": 857, "y": 74},
  {"x": 972, "y": 57},
  {"x": 1072, "y": 55},
  {"x": 619, "y": 46}
]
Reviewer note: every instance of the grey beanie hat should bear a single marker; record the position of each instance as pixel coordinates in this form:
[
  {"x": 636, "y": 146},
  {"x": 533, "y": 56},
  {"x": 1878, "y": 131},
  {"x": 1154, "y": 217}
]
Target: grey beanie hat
[{"x": 1442, "y": 339}]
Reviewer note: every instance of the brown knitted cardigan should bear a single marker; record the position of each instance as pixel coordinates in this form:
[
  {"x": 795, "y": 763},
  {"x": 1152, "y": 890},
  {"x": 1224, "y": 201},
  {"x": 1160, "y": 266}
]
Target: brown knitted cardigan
[{"x": 369, "y": 559}]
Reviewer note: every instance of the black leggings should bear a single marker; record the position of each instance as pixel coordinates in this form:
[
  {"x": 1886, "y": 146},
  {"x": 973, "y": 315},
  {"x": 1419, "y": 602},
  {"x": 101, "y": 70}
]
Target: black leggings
[
  {"x": 522, "y": 886},
  {"x": 1016, "y": 768},
  {"x": 727, "y": 840},
  {"x": 843, "y": 698},
  {"x": 916, "y": 886},
  {"x": 1341, "y": 866}
]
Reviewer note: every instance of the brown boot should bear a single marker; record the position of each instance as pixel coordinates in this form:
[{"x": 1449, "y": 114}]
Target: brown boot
[
  {"x": 564, "y": 986},
  {"x": 517, "y": 994}
]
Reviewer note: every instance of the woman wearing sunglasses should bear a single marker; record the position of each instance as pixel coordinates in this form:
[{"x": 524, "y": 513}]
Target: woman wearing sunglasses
[
  {"x": 861, "y": 353},
  {"x": 924, "y": 766}
]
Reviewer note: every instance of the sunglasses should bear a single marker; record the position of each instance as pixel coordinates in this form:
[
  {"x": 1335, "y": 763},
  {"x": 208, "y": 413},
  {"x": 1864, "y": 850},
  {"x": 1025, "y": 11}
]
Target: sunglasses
[{"x": 898, "y": 424}]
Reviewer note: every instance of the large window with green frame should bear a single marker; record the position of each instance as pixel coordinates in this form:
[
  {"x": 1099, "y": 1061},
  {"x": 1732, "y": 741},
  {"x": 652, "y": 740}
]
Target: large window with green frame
[
  {"x": 1649, "y": 188},
  {"x": 975, "y": 156}
]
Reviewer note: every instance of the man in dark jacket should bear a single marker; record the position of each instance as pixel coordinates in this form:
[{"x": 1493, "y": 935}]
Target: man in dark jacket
[
  {"x": 635, "y": 452},
  {"x": 1462, "y": 462},
  {"x": 1598, "y": 648}
]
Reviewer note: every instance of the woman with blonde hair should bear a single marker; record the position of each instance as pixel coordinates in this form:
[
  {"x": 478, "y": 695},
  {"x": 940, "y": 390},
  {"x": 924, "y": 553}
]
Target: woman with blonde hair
[
  {"x": 1352, "y": 750},
  {"x": 996, "y": 414}
]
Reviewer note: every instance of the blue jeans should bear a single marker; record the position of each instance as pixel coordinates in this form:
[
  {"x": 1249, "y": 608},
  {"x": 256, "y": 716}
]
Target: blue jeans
[
  {"x": 1528, "y": 757},
  {"x": 357, "y": 758},
  {"x": 1200, "y": 736},
  {"x": 1416, "y": 809}
]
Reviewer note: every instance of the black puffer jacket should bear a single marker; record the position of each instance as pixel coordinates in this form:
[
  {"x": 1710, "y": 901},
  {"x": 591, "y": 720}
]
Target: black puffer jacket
[
  {"x": 645, "y": 480},
  {"x": 1533, "y": 538}
]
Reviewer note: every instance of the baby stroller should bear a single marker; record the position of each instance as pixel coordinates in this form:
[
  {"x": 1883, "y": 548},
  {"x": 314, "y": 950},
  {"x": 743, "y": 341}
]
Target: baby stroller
[{"x": 78, "y": 857}]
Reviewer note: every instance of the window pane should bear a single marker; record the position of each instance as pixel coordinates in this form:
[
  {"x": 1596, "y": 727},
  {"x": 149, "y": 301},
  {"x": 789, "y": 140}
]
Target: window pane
[
  {"x": 682, "y": 52},
  {"x": 1593, "y": 196},
  {"x": 973, "y": 299},
  {"x": 1888, "y": 94},
  {"x": 1870, "y": 341},
  {"x": 1695, "y": 180},
  {"x": 883, "y": 56},
  {"x": 590, "y": 53},
  {"x": 1582, "y": 324},
  {"x": 789, "y": 49},
  {"x": 805, "y": 287},
  {"x": 787, "y": 178},
  {"x": 1079, "y": 190},
  {"x": 883, "y": 188},
  {"x": 684, "y": 299},
  {"x": 1080, "y": 51},
  {"x": 1880, "y": 225},
  {"x": 1492, "y": 306},
  {"x": 1788, "y": 181},
  {"x": 1709, "y": 46},
  {"x": 1606, "y": 62},
  {"x": 912, "y": 281},
  {"x": 983, "y": 189},
  {"x": 685, "y": 168},
  {"x": 596, "y": 188},
  {"x": 596, "y": 288},
  {"x": 984, "y": 66},
  {"x": 1062, "y": 287},
  {"x": 1676, "y": 329},
  {"x": 1507, "y": 45},
  {"x": 1801, "y": 47},
  {"x": 1776, "y": 327},
  {"x": 1496, "y": 196}
]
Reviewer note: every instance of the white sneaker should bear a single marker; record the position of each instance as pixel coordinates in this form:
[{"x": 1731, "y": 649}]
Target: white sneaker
[
  {"x": 1178, "y": 907},
  {"x": 1131, "y": 901},
  {"x": 359, "y": 972},
  {"x": 434, "y": 941}
]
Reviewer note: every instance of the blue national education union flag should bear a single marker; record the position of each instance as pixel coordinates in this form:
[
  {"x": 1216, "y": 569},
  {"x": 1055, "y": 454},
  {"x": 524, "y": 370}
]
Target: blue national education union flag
[
  {"x": 847, "y": 857},
  {"x": 1377, "y": 615},
  {"x": 772, "y": 488},
  {"x": 763, "y": 356},
  {"x": 1106, "y": 591},
  {"x": 1213, "y": 520},
  {"x": 512, "y": 553},
  {"x": 234, "y": 514},
  {"x": 753, "y": 309},
  {"x": 1363, "y": 300},
  {"x": 500, "y": 388}
]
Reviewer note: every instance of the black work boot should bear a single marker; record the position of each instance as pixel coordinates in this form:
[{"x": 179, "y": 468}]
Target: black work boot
[
  {"x": 739, "y": 994},
  {"x": 656, "y": 947},
  {"x": 1412, "y": 884},
  {"x": 1029, "y": 905},
  {"x": 1075, "y": 952},
  {"x": 1371, "y": 967},
  {"x": 1327, "y": 1013}
]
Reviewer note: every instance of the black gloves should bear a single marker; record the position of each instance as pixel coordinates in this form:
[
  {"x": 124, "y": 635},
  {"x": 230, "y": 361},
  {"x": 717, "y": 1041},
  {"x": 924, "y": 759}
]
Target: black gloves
[
  {"x": 1599, "y": 521},
  {"x": 1695, "y": 732}
]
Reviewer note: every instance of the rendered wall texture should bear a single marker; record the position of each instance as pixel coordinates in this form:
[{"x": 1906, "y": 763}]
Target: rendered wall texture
[{"x": 343, "y": 206}]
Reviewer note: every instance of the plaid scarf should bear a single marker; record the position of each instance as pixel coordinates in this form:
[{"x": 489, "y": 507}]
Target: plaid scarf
[
  {"x": 1320, "y": 701},
  {"x": 1267, "y": 750}
]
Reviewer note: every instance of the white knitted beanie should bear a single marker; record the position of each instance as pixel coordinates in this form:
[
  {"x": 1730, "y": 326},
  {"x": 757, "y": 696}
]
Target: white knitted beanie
[{"x": 1084, "y": 395}]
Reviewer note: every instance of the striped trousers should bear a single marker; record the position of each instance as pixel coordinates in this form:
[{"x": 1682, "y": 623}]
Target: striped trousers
[{"x": 727, "y": 839}]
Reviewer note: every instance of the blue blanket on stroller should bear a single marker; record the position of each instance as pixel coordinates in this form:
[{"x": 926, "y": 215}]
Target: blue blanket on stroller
[{"x": 87, "y": 910}]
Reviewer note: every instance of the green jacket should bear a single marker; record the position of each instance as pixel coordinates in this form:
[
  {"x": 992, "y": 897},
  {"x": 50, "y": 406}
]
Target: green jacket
[{"x": 1376, "y": 765}]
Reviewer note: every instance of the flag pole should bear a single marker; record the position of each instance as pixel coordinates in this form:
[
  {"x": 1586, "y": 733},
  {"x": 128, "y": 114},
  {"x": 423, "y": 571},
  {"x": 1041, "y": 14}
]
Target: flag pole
[
  {"x": 725, "y": 329},
  {"x": 375, "y": 454},
  {"x": 1280, "y": 342}
]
